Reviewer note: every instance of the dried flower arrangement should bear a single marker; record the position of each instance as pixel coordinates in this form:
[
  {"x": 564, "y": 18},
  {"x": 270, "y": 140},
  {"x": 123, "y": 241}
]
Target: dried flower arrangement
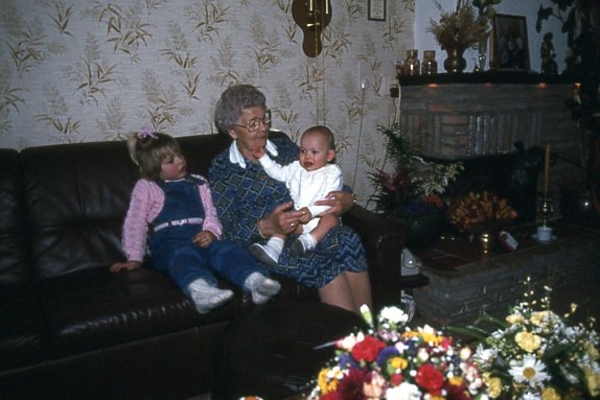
[
  {"x": 481, "y": 211},
  {"x": 461, "y": 28}
]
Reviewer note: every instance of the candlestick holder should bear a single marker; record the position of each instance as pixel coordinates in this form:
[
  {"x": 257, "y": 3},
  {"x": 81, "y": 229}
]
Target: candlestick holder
[{"x": 545, "y": 211}]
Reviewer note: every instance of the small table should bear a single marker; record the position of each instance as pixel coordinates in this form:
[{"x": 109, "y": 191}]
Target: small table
[{"x": 270, "y": 352}]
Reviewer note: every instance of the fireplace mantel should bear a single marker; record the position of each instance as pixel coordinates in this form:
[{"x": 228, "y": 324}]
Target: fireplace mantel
[{"x": 493, "y": 77}]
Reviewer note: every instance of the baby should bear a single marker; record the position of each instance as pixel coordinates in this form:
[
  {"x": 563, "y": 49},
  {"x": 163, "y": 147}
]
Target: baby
[{"x": 308, "y": 179}]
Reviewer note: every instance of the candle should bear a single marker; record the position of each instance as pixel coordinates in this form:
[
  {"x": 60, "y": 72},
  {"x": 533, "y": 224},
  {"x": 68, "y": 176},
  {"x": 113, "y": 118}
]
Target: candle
[
  {"x": 310, "y": 5},
  {"x": 546, "y": 169}
]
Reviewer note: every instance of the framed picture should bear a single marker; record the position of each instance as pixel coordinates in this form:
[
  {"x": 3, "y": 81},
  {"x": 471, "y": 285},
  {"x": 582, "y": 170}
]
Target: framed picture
[
  {"x": 377, "y": 10},
  {"x": 509, "y": 43}
]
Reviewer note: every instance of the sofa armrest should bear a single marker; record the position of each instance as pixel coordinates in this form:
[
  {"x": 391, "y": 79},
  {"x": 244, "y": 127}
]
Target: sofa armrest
[{"x": 383, "y": 240}]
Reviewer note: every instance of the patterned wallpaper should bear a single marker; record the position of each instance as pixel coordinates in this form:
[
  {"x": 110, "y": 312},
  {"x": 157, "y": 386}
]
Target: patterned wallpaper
[{"x": 79, "y": 70}]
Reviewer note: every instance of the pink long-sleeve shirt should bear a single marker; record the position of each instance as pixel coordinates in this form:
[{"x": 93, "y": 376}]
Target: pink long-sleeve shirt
[{"x": 147, "y": 200}]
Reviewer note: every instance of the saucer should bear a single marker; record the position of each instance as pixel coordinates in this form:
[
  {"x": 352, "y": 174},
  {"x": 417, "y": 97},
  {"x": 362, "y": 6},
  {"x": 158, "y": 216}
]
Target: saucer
[{"x": 534, "y": 237}]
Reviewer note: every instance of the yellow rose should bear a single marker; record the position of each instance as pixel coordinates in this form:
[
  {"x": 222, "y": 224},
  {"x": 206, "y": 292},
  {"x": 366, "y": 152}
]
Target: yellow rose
[
  {"x": 494, "y": 387},
  {"x": 549, "y": 393},
  {"x": 545, "y": 317},
  {"x": 592, "y": 381},
  {"x": 398, "y": 363},
  {"x": 528, "y": 341},
  {"x": 514, "y": 319},
  {"x": 325, "y": 383},
  {"x": 591, "y": 350}
]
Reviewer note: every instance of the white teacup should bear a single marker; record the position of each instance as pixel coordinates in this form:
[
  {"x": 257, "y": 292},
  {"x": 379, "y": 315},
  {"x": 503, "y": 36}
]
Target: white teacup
[{"x": 544, "y": 233}]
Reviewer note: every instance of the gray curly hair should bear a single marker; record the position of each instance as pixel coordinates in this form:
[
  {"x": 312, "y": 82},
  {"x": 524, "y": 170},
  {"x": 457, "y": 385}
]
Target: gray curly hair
[{"x": 233, "y": 101}]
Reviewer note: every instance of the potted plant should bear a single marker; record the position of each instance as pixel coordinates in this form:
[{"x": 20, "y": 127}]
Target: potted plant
[
  {"x": 457, "y": 31},
  {"x": 414, "y": 191}
]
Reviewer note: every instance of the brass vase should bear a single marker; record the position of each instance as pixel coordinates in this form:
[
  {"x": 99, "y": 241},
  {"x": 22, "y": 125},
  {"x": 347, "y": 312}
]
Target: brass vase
[
  {"x": 455, "y": 62},
  {"x": 485, "y": 240}
]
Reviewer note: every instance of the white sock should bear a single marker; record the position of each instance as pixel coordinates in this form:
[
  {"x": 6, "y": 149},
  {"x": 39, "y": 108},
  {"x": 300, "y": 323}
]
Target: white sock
[
  {"x": 308, "y": 240},
  {"x": 207, "y": 297},
  {"x": 261, "y": 287},
  {"x": 276, "y": 244},
  {"x": 305, "y": 243}
]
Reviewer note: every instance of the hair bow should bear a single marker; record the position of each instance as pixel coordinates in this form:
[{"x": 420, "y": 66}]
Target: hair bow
[{"x": 146, "y": 132}]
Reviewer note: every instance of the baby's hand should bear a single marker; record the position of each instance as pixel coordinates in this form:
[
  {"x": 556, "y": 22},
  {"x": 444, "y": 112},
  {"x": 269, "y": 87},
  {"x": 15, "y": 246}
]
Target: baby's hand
[
  {"x": 258, "y": 152},
  {"x": 204, "y": 238},
  {"x": 128, "y": 265},
  {"x": 305, "y": 216}
]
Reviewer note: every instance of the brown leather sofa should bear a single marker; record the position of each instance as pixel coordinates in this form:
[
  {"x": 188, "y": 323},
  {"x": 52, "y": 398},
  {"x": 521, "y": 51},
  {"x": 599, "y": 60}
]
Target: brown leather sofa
[{"x": 71, "y": 329}]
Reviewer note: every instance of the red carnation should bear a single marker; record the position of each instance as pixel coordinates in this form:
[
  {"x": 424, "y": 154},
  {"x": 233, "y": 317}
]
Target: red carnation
[
  {"x": 396, "y": 379},
  {"x": 430, "y": 379},
  {"x": 367, "y": 349},
  {"x": 351, "y": 386}
]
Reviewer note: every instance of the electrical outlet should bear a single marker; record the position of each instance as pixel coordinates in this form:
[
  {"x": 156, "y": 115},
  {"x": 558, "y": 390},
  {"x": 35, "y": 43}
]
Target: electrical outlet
[{"x": 394, "y": 91}]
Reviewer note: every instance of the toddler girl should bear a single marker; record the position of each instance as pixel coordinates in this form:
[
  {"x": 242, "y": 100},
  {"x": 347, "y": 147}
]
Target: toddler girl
[{"x": 174, "y": 209}]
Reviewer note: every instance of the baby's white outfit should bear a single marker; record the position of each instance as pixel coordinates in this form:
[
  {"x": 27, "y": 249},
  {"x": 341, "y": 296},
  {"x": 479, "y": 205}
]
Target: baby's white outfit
[{"x": 306, "y": 187}]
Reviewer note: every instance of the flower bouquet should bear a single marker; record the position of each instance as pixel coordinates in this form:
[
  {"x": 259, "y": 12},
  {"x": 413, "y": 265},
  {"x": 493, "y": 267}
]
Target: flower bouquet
[
  {"x": 536, "y": 354},
  {"x": 481, "y": 211},
  {"x": 391, "y": 361}
]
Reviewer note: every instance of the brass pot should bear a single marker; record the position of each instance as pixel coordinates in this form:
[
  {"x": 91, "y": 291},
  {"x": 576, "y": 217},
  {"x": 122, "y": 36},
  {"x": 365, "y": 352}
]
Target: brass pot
[
  {"x": 485, "y": 240},
  {"x": 455, "y": 62}
]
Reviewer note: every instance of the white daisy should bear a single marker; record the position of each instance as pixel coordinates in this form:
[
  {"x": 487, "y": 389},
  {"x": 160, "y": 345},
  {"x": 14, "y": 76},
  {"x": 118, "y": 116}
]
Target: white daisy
[{"x": 531, "y": 371}]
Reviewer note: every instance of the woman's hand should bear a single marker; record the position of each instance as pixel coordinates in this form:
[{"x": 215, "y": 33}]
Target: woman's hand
[
  {"x": 204, "y": 238},
  {"x": 128, "y": 265},
  {"x": 282, "y": 221},
  {"x": 338, "y": 201}
]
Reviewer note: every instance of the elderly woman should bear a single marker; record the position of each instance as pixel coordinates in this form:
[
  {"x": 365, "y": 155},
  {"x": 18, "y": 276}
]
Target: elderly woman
[{"x": 252, "y": 206}]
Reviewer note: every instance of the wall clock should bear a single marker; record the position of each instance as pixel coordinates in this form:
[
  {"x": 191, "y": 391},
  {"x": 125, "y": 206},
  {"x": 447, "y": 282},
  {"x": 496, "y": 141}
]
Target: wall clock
[{"x": 312, "y": 16}]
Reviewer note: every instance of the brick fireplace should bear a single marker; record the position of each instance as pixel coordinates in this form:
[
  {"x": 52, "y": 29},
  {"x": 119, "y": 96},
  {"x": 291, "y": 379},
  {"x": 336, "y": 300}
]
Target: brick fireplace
[
  {"x": 481, "y": 116},
  {"x": 462, "y": 116}
]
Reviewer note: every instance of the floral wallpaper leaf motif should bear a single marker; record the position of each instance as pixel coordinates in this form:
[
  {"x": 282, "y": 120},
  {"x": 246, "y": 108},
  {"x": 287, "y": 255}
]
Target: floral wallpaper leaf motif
[
  {"x": 58, "y": 115},
  {"x": 223, "y": 72},
  {"x": 112, "y": 122},
  {"x": 125, "y": 29},
  {"x": 63, "y": 16},
  {"x": 162, "y": 103},
  {"x": 9, "y": 98},
  {"x": 267, "y": 44},
  {"x": 27, "y": 52},
  {"x": 91, "y": 75},
  {"x": 207, "y": 16}
]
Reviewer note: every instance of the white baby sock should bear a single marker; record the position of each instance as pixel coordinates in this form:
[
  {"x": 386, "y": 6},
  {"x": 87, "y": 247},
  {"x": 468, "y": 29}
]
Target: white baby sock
[
  {"x": 261, "y": 287},
  {"x": 269, "y": 253},
  {"x": 305, "y": 243},
  {"x": 207, "y": 297}
]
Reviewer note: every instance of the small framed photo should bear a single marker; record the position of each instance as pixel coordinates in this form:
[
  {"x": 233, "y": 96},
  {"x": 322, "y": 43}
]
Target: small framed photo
[
  {"x": 377, "y": 10},
  {"x": 509, "y": 43}
]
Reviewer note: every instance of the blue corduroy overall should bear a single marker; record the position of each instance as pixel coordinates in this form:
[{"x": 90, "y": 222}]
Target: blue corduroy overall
[{"x": 174, "y": 252}]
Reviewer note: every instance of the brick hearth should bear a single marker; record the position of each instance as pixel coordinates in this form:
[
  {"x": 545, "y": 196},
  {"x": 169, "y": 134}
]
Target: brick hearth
[{"x": 464, "y": 281}]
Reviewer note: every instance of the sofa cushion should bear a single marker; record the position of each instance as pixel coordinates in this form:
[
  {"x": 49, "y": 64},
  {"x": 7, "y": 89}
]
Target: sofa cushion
[
  {"x": 76, "y": 198},
  {"x": 22, "y": 334},
  {"x": 13, "y": 259},
  {"x": 95, "y": 309}
]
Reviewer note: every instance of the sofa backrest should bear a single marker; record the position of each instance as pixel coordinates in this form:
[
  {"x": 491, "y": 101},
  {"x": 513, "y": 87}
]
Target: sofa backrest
[
  {"x": 75, "y": 200},
  {"x": 76, "y": 196},
  {"x": 13, "y": 254}
]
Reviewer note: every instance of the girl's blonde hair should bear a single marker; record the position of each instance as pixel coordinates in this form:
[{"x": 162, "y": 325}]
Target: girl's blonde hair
[{"x": 149, "y": 149}]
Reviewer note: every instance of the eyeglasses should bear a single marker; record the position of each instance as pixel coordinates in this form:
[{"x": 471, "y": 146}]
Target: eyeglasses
[{"x": 254, "y": 123}]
